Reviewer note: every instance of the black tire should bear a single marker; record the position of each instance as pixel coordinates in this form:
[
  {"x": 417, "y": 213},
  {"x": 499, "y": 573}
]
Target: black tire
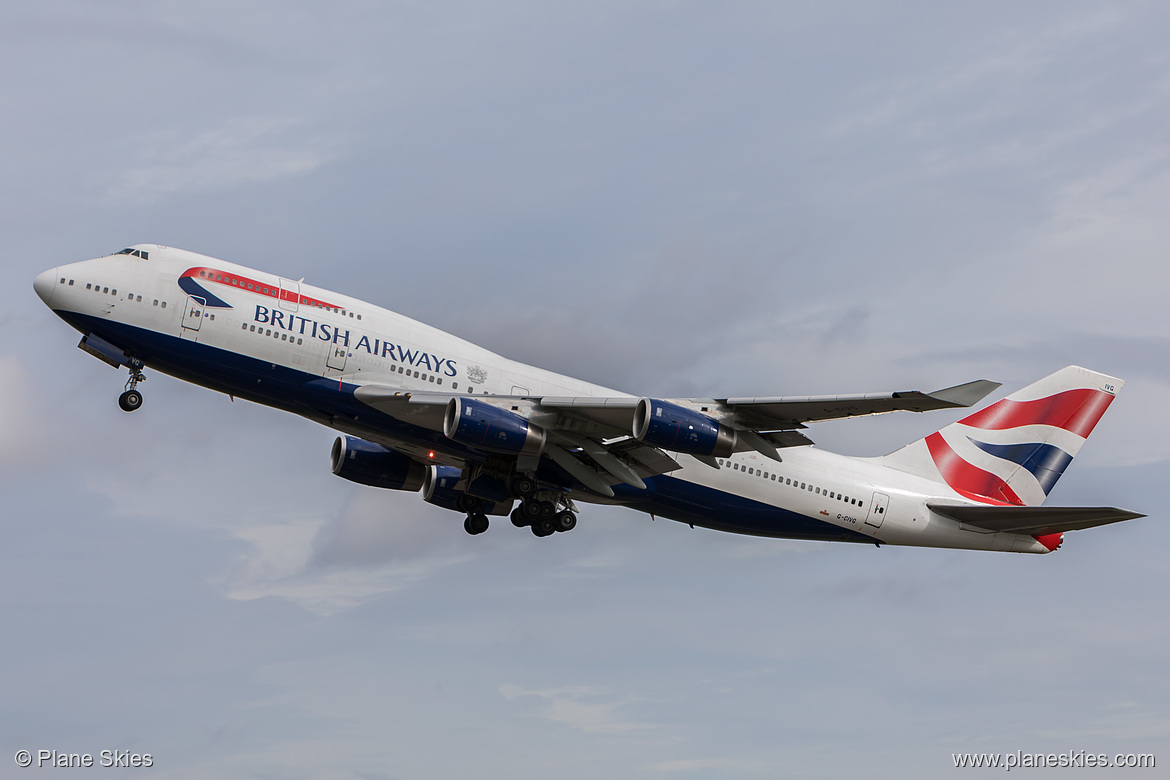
[
  {"x": 467, "y": 525},
  {"x": 543, "y": 526},
  {"x": 565, "y": 521},
  {"x": 477, "y": 523},
  {"x": 547, "y": 509},
  {"x": 531, "y": 508},
  {"x": 524, "y": 486},
  {"x": 130, "y": 400},
  {"x": 519, "y": 519}
]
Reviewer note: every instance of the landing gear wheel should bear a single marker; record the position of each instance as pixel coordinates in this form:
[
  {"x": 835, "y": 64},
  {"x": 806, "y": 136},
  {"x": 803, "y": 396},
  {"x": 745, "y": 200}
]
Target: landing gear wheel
[
  {"x": 519, "y": 519},
  {"x": 130, "y": 400},
  {"x": 565, "y": 521},
  {"x": 547, "y": 510},
  {"x": 475, "y": 524},
  {"x": 543, "y": 526},
  {"x": 531, "y": 508},
  {"x": 524, "y": 486}
]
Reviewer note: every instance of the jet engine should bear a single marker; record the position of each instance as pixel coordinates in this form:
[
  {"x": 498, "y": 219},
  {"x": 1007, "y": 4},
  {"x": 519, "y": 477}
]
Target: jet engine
[
  {"x": 478, "y": 424},
  {"x": 673, "y": 427},
  {"x": 372, "y": 464}
]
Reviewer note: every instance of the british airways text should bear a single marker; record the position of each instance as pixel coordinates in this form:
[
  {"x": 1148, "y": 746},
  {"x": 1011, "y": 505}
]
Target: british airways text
[{"x": 294, "y": 323}]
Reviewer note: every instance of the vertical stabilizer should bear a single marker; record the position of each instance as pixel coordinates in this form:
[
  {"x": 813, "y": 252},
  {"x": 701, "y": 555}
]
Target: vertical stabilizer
[{"x": 1013, "y": 451}]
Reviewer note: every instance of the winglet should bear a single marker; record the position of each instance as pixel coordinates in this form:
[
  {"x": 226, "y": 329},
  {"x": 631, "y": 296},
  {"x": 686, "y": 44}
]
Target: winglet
[{"x": 966, "y": 394}]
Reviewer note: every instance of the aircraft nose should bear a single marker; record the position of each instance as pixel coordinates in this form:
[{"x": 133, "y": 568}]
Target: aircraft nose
[{"x": 45, "y": 284}]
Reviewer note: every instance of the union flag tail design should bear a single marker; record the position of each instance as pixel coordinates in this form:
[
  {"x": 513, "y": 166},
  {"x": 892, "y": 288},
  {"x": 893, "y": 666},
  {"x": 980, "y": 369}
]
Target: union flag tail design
[{"x": 1013, "y": 451}]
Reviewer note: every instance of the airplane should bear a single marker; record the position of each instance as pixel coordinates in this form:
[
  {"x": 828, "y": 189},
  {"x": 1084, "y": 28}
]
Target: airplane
[{"x": 482, "y": 435}]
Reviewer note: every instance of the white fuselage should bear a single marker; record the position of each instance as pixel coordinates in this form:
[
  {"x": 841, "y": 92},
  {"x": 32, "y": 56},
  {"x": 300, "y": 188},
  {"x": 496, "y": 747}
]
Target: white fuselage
[{"x": 258, "y": 336}]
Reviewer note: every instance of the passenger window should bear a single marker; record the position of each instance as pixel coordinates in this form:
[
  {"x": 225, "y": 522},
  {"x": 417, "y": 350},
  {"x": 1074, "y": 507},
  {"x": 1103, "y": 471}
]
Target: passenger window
[
  {"x": 115, "y": 292},
  {"x": 62, "y": 280},
  {"x": 138, "y": 299},
  {"x": 88, "y": 286},
  {"x": 164, "y": 304},
  {"x": 106, "y": 290},
  {"x": 454, "y": 385},
  {"x": 245, "y": 326},
  {"x": 299, "y": 342},
  {"x": 70, "y": 282},
  {"x": 156, "y": 301}
]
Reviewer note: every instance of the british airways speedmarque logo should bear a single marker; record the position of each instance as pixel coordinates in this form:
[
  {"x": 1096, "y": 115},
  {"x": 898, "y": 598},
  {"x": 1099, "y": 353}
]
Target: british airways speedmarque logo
[{"x": 199, "y": 281}]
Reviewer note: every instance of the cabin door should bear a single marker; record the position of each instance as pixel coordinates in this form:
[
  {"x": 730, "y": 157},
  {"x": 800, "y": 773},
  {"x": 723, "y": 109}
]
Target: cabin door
[
  {"x": 193, "y": 313},
  {"x": 877, "y": 510}
]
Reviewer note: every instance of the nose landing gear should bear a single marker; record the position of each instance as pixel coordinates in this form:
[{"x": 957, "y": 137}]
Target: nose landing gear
[{"x": 131, "y": 399}]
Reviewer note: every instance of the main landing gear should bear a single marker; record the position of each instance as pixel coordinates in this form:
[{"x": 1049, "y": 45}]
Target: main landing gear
[
  {"x": 546, "y": 512},
  {"x": 131, "y": 399},
  {"x": 545, "y": 517}
]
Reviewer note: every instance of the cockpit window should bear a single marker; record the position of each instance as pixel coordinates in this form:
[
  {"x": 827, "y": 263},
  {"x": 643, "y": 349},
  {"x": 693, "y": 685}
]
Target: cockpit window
[{"x": 135, "y": 253}]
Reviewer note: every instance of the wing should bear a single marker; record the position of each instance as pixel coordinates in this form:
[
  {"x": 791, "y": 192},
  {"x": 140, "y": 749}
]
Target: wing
[
  {"x": 1033, "y": 520},
  {"x": 599, "y": 442}
]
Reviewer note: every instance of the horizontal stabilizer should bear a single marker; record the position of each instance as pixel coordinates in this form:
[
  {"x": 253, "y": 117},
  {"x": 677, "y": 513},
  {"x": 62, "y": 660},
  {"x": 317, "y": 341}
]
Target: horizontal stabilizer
[{"x": 1033, "y": 520}]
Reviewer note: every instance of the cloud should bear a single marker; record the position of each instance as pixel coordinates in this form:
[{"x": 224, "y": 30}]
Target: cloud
[
  {"x": 25, "y": 419},
  {"x": 579, "y": 708},
  {"x": 238, "y": 152},
  {"x": 713, "y": 764},
  {"x": 376, "y": 544}
]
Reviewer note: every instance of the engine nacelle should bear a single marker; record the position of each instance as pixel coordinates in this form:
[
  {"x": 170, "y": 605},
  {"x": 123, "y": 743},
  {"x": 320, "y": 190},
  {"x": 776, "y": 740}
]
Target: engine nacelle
[
  {"x": 478, "y": 424},
  {"x": 674, "y": 427},
  {"x": 372, "y": 464},
  {"x": 439, "y": 489}
]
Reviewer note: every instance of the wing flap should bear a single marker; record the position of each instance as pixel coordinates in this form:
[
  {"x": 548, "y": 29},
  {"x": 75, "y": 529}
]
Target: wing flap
[{"x": 1033, "y": 520}]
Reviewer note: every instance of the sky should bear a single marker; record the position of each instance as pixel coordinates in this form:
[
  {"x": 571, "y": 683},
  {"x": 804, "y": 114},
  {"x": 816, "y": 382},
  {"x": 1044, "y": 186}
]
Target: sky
[{"x": 668, "y": 198}]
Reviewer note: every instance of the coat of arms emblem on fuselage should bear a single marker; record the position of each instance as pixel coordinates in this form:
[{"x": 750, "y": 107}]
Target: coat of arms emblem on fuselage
[{"x": 476, "y": 374}]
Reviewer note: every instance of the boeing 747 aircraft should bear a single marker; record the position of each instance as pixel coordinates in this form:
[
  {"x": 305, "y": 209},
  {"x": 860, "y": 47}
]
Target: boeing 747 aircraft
[{"x": 418, "y": 408}]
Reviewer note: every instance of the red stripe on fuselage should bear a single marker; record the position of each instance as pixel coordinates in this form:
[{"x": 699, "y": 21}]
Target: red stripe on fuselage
[
  {"x": 966, "y": 479},
  {"x": 1076, "y": 411},
  {"x": 212, "y": 276}
]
